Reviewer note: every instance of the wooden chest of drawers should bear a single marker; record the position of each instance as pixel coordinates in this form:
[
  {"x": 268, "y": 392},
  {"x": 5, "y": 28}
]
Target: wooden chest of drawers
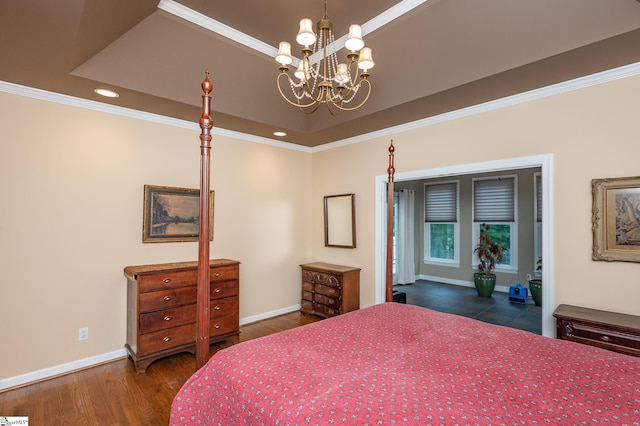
[
  {"x": 161, "y": 308},
  {"x": 607, "y": 330},
  {"x": 329, "y": 290}
]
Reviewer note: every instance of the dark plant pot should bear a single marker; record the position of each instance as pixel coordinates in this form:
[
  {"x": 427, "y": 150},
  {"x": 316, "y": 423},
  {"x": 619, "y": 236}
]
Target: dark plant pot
[
  {"x": 485, "y": 283},
  {"x": 535, "y": 287}
]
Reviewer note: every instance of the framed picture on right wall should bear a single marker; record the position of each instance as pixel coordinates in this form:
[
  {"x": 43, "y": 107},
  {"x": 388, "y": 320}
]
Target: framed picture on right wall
[{"x": 615, "y": 219}]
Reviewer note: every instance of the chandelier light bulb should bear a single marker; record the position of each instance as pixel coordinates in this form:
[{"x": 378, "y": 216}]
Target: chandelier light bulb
[
  {"x": 354, "y": 42},
  {"x": 342, "y": 75},
  {"x": 284, "y": 54},
  {"x": 366, "y": 59},
  {"x": 306, "y": 36},
  {"x": 302, "y": 73}
]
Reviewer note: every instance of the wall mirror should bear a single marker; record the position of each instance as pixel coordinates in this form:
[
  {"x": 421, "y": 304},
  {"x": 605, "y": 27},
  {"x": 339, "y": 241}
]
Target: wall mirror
[{"x": 340, "y": 221}]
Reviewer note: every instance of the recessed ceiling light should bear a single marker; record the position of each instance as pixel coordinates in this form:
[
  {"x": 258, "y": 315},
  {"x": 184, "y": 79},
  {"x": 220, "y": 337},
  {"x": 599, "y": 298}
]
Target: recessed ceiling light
[
  {"x": 279, "y": 134},
  {"x": 107, "y": 93}
]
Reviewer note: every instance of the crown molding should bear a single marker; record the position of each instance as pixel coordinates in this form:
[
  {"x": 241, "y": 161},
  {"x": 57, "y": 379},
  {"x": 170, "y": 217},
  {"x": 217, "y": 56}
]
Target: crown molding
[
  {"x": 555, "y": 89},
  {"x": 567, "y": 86},
  {"x": 44, "y": 95}
]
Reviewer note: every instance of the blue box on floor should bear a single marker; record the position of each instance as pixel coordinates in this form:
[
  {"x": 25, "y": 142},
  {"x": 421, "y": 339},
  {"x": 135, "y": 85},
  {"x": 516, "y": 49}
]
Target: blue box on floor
[{"x": 518, "y": 294}]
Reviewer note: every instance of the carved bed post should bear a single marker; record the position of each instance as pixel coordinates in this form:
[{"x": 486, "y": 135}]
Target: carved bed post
[
  {"x": 202, "y": 319},
  {"x": 389, "y": 269}
]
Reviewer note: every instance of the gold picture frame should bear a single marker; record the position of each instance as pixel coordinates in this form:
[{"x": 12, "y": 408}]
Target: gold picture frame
[
  {"x": 173, "y": 214},
  {"x": 616, "y": 219}
]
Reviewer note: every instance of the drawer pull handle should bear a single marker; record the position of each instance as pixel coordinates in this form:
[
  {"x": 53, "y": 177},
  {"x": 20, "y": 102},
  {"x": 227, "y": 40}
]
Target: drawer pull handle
[
  {"x": 166, "y": 280},
  {"x": 166, "y": 298},
  {"x": 217, "y": 326},
  {"x": 167, "y": 339},
  {"x": 167, "y": 318},
  {"x": 605, "y": 338},
  {"x": 217, "y": 274},
  {"x": 217, "y": 290},
  {"x": 217, "y": 308}
]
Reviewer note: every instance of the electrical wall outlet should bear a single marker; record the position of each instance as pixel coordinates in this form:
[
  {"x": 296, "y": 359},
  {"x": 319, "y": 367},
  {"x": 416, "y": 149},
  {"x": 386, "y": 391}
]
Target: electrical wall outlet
[
  {"x": 83, "y": 333},
  {"x": 528, "y": 277}
]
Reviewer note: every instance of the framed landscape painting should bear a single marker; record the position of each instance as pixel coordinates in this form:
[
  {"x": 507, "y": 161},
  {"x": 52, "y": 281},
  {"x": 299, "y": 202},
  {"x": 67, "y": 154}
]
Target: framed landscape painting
[
  {"x": 173, "y": 214},
  {"x": 616, "y": 219}
]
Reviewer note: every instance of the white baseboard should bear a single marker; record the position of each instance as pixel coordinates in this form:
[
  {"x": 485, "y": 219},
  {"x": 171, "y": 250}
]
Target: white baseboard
[
  {"x": 462, "y": 283},
  {"x": 271, "y": 314},
  {"x": 58, "y": 370}
]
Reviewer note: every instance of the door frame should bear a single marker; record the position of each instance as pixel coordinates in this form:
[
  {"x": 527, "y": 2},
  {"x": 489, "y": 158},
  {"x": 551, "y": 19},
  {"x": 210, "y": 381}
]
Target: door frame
[{"x": 543, "y": 161}]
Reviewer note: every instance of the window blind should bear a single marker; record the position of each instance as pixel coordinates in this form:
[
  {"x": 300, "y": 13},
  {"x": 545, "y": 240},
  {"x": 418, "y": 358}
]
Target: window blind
[
  {"x": 441, "y": 202},
  {"x": 493, "y": 200}
]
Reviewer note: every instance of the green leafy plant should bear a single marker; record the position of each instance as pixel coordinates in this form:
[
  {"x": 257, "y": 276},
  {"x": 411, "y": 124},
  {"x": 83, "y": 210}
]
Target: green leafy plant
[{"x": 489, "y": 252}]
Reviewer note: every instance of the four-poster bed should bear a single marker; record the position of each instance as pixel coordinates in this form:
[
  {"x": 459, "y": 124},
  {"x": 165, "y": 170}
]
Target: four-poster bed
[{"x": 394, "y": 363}]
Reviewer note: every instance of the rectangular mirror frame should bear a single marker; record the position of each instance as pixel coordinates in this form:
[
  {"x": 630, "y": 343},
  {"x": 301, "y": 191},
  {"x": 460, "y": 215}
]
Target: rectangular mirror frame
[{"x": 340, "y": 221}]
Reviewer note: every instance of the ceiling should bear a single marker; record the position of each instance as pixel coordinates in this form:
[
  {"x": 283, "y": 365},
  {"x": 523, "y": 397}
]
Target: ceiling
[{"x": 431, "y": 56}]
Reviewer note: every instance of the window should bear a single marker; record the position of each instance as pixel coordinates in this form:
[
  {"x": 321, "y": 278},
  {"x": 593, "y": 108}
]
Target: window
[
  {"x": 537, "y": 227},
  {"x": 494, "y": 202},
  {"x": 441, "y": 227}
]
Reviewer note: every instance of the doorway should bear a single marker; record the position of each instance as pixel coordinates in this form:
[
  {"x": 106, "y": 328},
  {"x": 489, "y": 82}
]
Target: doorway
[{"x": 544, "y": 162}]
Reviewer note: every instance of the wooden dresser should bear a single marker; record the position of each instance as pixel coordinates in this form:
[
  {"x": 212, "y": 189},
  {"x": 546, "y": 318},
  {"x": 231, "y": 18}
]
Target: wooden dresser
[
  {"x": 329, "y": 290},
  {"x": 161, "y": 308},
  {"x": 607, "y": 330}
]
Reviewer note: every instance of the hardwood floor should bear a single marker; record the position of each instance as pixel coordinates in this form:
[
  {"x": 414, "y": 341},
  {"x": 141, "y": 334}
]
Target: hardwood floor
[{"x": 114, "y": 394}]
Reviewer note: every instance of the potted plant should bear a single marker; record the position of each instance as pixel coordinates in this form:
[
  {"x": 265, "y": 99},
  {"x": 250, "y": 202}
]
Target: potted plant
[
  {"x": 535, "y": 285},
  {"x": 490, "y": 253}
]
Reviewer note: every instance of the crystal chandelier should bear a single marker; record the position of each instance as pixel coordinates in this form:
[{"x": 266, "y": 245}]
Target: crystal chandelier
[{"x": 320, "y": 79}]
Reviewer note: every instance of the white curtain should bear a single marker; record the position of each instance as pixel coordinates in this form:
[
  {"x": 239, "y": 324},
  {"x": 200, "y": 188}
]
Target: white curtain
[{"x": 406, "y": 237}]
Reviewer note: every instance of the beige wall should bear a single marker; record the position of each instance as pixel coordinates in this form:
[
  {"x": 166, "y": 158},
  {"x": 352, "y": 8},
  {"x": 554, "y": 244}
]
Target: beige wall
[
  {"x": 591, "y": 133},
  {"x": 71, "y": 189},
  {"x": 72, "y": 195}
]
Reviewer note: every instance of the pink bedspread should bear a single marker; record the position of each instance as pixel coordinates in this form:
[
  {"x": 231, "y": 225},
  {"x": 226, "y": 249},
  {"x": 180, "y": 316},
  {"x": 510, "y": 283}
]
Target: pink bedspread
[{"x": 394, "y": 364}]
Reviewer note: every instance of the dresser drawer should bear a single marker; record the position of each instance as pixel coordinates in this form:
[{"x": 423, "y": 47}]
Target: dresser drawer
[
  {"x": 307, "y": 295},
  {"x": 222, "y": 307},
  {"x": 329, "y": 301},
  {"x": 307, "y": 276},
  {"x": 166, "y": 339},
  {"x": 224, "y": 322},
  {"x": 222, "y": 289},
  {"x": 160, "y": 281},
  {"x": 166, "y": 299},
  {"x": 306, "y": 306},
  {"x": 325, "y": 311},
  {"x": 167, "y": 318},
  {"x": 224, "y": 273},
  {"x": 600, "y": 336},
  {"x": 327, "y": 290},
  {"x": 326, "y": 279}
]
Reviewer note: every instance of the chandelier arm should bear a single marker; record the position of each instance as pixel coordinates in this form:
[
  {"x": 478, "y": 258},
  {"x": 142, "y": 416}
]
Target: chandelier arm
[
  {"x": 297, "y": 103},
  {"x": 342, "y": 108},
  {"x": 310, "y": 111}
]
